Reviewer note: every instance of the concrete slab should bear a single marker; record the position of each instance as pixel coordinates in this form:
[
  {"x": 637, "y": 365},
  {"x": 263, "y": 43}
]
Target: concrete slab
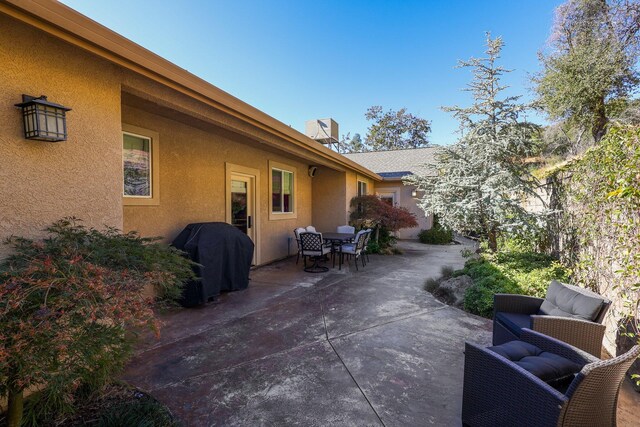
[
  {"x": 341, "y": 348},
  {"x": 305, "y": 386},
  {"x": 411, "y": 370}
]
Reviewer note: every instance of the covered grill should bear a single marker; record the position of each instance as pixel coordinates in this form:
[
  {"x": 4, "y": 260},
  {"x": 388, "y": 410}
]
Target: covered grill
[{"x": 224, "y": 254}]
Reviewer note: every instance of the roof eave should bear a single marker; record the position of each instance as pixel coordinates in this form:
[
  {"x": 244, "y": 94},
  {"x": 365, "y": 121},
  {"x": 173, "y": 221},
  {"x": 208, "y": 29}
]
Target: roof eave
[{"x": 64, "y": 22}]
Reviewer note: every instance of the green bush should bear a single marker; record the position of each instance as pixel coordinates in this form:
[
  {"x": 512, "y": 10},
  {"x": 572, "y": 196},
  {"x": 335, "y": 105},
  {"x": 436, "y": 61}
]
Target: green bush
[
  {"x": 436, "y": 235},
  {"x": 512, "y": 272}
]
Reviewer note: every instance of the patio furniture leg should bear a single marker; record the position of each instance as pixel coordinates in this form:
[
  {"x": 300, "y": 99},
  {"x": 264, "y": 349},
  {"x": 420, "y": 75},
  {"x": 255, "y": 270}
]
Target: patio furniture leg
[
  {"x": 362, "y": 258},
  {"x": 356, "y": 262},
  {"x": 297, "y": 257}
]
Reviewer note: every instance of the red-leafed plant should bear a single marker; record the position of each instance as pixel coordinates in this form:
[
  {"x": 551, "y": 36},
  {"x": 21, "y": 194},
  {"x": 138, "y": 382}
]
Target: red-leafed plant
[
  {"x": 67, "y": 305},
  {"x": 372, "y": 212}
]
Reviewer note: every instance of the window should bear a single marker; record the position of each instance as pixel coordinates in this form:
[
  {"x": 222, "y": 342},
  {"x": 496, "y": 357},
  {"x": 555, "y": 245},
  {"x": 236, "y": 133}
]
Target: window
[
  {"x": 139, "y": 166},
  {"x": 281, "y": 191},
  {"x": 362, "y": 188},
  {"x": 136, "y": 160},
  {"x": 388, "y": 200}
]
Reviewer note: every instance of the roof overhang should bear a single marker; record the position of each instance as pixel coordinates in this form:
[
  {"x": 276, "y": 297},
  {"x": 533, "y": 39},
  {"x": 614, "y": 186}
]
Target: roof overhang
[{"x": 67, "y": 24}]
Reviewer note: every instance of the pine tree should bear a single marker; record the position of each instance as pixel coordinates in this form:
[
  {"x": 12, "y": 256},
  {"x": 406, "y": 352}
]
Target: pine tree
[{"x": 479, "y": 182}]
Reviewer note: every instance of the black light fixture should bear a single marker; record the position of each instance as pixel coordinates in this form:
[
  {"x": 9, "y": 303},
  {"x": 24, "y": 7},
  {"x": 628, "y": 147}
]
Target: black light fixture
[{"x": 43, "y": 120}]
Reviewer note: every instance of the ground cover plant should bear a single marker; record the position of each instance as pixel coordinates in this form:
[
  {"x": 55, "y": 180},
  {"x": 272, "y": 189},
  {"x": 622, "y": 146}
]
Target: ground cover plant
[
  {"x": 68, "y": 305},
  {"x": 511, "y": 270}
]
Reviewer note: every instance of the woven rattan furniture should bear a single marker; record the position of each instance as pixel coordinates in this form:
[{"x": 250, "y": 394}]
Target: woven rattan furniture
[
  {"x": 499, "y": 392},
  {"x": 312, "y": 246},
  {"x": 568, "y": 313}
]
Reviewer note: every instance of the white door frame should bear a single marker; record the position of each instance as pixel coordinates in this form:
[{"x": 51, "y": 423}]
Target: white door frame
[{"x": 253, "y": 176}]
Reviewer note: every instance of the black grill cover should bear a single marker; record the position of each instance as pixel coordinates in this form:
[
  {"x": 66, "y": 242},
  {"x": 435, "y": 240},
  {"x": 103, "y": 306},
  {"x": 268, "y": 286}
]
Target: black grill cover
[{"x": 224, "y": 253}]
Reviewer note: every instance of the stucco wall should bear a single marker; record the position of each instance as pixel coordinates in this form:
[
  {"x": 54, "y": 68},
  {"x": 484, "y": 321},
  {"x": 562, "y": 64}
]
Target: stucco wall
[
  {"x": 41, "y": 182},
  {"x": 404, "y": 199},
  {"x": 329, "y": 195},
  {"x": 193, "y": 187}
]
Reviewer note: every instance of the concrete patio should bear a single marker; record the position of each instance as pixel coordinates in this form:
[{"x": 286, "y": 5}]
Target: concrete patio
[{"x": 341, "y": 348}]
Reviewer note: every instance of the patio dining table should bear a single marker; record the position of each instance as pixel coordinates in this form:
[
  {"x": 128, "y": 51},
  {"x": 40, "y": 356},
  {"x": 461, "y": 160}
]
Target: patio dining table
[{"x": 336, "y": 240}]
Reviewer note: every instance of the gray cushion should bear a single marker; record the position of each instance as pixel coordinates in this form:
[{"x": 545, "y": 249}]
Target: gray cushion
[{"x": 570, "y": 301}]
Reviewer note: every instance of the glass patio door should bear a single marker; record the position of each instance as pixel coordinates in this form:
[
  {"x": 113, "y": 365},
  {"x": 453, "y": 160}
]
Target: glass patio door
[{"x": 243, "y": 205}]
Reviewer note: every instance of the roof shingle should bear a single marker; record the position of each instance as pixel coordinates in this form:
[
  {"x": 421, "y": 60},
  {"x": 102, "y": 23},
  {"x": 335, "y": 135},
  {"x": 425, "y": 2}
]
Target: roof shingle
[{"x": 397, "y": 163}]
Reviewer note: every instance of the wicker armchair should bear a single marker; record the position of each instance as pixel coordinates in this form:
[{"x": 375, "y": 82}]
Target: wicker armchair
[
  {"x": 499, "y": 392},
  {"x": 555, "y": 315}
]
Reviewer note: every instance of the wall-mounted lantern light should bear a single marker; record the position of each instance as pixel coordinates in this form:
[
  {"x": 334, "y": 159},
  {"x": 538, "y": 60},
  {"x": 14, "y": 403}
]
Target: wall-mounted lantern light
[
  {"x": 414, "y": 193},
  {"x": 43, "y": 120}
]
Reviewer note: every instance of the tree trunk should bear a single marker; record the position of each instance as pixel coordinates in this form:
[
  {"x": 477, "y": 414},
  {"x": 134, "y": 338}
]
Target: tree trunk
[
  {"x": 14, "y": 412},
  {"x": 600, "y": 121},
  {"x": 492, "y": 237}
]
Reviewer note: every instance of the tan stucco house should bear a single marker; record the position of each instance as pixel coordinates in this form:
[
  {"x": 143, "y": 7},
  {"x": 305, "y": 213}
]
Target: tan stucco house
[
  {"x": 392, "y": 166},
  {"x": 150, "y": 147}
]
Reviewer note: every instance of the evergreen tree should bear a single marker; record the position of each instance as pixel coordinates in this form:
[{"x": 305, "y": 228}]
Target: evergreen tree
[
  {"x": 352, "y": 145},
  {"x": 478, "y": 183},
  {"x": 393, "y": 130},
  {"x": 591, "y": 64}
]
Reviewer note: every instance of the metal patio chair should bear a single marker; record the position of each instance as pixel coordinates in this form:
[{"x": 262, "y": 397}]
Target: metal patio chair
[
  {"x": 354, "y": 249},
  {"x": 296, "y": 232},
  {"x": 312, "y": 246}
]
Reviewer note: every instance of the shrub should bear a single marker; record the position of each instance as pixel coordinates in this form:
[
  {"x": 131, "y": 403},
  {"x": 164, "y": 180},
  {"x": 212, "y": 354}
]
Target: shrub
[
  {"x": 67, "y": 303},
  {"x": 446, "y": 271},
  {"x": 371, "y": 212},
  {"x": 436, "y": 235},
  {"x": 430, "y": 285},
  {"x": 512, "y": 272}
]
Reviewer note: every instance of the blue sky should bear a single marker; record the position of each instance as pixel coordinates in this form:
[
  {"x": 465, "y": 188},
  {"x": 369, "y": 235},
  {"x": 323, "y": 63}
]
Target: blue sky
[{"x": 299, "y": 59}]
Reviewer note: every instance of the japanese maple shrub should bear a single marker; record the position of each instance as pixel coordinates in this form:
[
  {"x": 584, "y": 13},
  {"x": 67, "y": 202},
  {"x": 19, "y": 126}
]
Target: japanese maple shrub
[
  {"x": 371, "y": 212},
  {"x": 68, "y": 305}
]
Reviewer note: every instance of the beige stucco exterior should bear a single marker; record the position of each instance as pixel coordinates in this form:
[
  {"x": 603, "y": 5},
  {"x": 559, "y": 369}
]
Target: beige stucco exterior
[
  {"x": 403, "y": 198},
  {"x": 41, "y": 182},
  {"x": 112, "y": 84}
]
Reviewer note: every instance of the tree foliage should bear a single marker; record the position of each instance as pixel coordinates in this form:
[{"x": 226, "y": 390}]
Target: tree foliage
[
  {"x": 478, "y": 183},
  {"x": 66, "y": 304},
  {"x": 594, "y": 50},
  {"x": 353, "y": 144},
  {"x": 371, "y": 211},
  {"x": 602, "y": 216},
  {"x": 394, "y": 130}
]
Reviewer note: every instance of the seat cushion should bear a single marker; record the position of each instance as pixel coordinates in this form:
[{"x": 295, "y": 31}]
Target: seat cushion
[
  {"x": 549, "y": 367},
  {"x": 571, "y": 301},
  {"x": 514, "y": 321}
]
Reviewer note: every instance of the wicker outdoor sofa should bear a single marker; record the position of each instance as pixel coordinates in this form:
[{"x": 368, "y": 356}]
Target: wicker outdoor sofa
[{"x": 501, "y": 389}]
